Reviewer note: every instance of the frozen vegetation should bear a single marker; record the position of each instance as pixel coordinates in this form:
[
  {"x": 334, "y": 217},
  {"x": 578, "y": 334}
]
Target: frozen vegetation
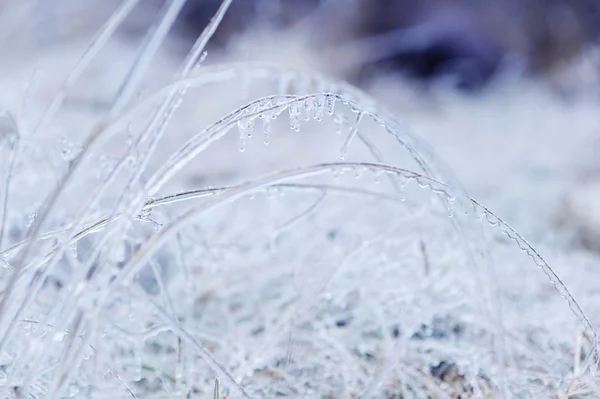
[{"x": 163, "y": 225}]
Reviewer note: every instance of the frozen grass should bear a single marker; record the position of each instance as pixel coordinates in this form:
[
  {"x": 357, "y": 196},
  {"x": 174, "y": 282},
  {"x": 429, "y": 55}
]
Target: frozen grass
[{"x": 301, "y": 243}]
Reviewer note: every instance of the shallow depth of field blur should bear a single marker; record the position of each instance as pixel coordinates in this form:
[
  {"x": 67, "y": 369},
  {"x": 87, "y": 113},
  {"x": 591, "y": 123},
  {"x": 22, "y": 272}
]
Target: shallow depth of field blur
[{"x": 328, "y": 199}]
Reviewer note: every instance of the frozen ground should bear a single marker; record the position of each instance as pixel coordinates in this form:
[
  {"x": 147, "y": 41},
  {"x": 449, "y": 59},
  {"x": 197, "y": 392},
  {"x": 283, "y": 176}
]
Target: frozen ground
[{"x": 289, "y": 272}]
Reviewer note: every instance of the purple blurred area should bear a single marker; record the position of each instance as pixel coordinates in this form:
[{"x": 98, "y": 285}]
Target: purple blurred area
[{"x": 468, "y": 41}]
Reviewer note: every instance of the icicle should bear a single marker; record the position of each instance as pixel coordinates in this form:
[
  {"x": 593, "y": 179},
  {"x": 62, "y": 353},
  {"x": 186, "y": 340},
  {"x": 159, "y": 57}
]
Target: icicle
[
  {"x": 243, "y": 130},
  {"x": 357, "y": 173},
  {"x": 266, "y": 130},
  {"x": 318, "y": 110},
  {"x": 339, "y": 123},
  {"x": 249, "y": 127},
  {"x": 353, "y": 132},
  {"x": 403, "y": 185},
  {"x": 450, "y": 208},
  {"x": 216, "y": 394},
  {"x": 307, "y": 106},
  {"x": 330, "y": 99},
  {"x": 32, "y": 219},
  {"x": 294, "y": 110}
]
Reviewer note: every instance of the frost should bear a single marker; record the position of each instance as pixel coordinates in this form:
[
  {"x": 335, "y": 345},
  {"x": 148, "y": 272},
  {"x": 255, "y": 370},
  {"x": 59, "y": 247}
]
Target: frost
[{"x": 171, "y": 265}]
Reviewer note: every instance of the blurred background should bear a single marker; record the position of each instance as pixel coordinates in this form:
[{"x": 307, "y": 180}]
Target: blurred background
[{"x": 507, "y": 93}]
